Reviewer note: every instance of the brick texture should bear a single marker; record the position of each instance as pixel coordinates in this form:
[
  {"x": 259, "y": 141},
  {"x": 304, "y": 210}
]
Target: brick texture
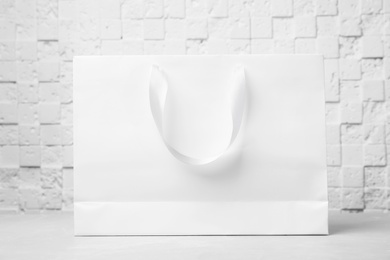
[{"x": 39, "y": 38}]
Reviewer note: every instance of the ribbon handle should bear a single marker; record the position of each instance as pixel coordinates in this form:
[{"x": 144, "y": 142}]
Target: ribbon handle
[{"x": 158, "y": 89}]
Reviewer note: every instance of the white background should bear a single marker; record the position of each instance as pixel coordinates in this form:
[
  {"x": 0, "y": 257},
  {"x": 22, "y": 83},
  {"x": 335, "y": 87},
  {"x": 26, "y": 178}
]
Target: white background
[{"x": 38, "y": 39}]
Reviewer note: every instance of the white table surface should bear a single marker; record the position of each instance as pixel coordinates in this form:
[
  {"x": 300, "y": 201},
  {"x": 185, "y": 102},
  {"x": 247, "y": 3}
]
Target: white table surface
[{"x": 50, "y": 236}]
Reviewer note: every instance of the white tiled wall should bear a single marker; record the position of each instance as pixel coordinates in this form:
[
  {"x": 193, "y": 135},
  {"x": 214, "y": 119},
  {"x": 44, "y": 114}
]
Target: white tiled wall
[{"x": 38, "y": 39}]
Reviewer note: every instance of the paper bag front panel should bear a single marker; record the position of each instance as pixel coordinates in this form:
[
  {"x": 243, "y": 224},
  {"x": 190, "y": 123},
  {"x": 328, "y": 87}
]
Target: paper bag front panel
[{"x": 272, "y": 180}]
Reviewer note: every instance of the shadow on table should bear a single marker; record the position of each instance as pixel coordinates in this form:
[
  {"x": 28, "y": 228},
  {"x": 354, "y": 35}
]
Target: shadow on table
[
  {"x": 345, "y": 223},
  {"x": 342, "y": 228}
]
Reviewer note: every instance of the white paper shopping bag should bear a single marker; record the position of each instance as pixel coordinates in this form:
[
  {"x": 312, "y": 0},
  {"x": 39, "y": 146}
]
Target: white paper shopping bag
[{"x": 198, "y": 145}]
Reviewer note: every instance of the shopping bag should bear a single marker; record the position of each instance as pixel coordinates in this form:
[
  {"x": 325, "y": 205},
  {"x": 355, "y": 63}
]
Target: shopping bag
[{"x": 199, "y": 145}]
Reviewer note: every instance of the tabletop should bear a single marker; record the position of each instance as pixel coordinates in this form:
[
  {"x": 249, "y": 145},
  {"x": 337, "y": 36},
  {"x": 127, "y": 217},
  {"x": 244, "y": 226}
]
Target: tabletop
[{"x": 49, "y": 235}]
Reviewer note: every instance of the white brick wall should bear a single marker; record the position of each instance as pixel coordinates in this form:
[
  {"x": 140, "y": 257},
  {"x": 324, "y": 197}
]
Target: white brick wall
[{"x": 38, "y": 39}]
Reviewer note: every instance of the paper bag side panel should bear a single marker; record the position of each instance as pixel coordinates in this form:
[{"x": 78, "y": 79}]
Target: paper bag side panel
[{"x": 201, "y": 218}]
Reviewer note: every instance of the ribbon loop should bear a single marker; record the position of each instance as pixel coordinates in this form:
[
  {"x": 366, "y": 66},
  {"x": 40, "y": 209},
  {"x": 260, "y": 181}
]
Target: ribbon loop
[{"x": 158, "y": 89}]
